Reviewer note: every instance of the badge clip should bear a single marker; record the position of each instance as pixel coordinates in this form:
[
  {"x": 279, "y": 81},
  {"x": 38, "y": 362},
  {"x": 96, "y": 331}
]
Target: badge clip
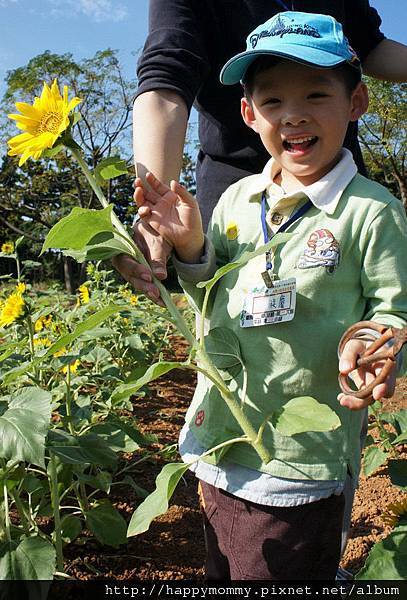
[{"x": 269, "y": 277}]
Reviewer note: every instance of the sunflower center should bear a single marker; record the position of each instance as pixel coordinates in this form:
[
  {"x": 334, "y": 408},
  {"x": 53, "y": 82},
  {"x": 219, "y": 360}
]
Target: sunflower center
[{"x": 50, "y": 123}]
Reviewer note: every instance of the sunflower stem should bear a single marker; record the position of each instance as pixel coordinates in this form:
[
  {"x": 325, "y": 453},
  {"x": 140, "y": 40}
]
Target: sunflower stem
[{"x": 208, "y": 367}]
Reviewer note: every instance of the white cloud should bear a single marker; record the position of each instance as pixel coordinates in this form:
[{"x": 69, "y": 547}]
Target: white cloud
[
  {"x": 4, "y": 3},
  {"x": 97, "y": 10}
]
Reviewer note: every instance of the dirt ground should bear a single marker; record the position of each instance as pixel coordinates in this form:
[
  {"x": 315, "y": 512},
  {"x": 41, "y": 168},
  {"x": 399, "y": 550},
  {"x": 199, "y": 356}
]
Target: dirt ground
[{"x": 173, "y": 548}]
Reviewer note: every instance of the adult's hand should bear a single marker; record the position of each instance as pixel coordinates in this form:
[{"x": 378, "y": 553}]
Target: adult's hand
[{"x": 156, "y": 251}]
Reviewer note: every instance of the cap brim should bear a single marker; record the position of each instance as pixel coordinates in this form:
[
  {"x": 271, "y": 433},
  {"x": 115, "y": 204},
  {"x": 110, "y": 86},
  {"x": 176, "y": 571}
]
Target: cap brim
[{"x": 234, "y": 70}]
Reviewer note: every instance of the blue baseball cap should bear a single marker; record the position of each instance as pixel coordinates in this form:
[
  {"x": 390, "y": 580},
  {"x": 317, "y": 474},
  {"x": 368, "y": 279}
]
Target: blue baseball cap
[{"x": 311, "y": 39}]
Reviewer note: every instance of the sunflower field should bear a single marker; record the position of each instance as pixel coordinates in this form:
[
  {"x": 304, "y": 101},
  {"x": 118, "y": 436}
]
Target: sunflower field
[{"x": 62, "y": 430}]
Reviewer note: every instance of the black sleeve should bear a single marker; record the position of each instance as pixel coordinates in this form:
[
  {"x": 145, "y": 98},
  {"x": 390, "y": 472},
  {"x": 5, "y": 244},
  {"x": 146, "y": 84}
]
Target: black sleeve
[
  {"x": 174, "y": 56},
  {"x": 362, "y": 27}
]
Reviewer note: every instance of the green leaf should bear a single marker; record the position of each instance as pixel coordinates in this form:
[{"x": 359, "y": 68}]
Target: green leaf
[
  {"x": 18, "y": 241},
  {"x": 157, "y": 502},
  {"x": 223, "y": 347},
  {"x": 32, "y": 559},
  {"x": 129, "y": 426},
  {"x": 303, "y": 414},
  {"x": 128, "y": 389},
  {"x": 400, "y": 439},
  {"x": 24, "y": 425},
  {"x": 101, "y": 481},
  {"x": 85, "y": 326},
  {"x": 243, "y": 259},
  {"x": 51, "y": 152},
  {"x": 388, "y": 559},
  {"x": 373, "y": 458},
  {"x": 89, "y": 448},
  {"x": 106, "y": 523},
  {"x": 71, "y": 527},
  {"x": 77, "y": 229},
  {"x": 398, "y": 473},
  {"x": 97, "y": 355},
  {"x": 115, "y": 438},
  {"x": 111, "y": 167},
  {"x": 103, "y": 247}
]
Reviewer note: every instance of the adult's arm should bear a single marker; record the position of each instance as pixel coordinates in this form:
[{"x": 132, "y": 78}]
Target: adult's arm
[
  {"x": 388, "y": 61},
  {"x": 170, "y": 71},
  {"x": 160, "y": 120}
]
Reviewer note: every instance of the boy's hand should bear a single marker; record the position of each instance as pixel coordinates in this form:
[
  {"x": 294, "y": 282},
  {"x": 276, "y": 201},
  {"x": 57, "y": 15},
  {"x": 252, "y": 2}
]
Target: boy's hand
[
  {"x": 173, "y": 213},
  {"x": 363, "y": 376}
]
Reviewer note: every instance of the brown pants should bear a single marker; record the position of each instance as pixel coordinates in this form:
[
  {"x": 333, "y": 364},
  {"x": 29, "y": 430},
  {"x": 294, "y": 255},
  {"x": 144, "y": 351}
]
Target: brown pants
[{"x": 251, "y": 541}]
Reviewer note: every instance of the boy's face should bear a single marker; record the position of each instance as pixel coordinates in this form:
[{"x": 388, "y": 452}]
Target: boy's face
[{"x": 301, "y": 114}]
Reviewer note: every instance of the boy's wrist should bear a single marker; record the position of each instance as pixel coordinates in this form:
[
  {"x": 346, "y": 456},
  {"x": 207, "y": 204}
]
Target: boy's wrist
[{"x": 191, "y": 253}]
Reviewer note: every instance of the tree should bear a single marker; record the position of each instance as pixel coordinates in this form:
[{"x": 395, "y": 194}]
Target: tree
[
  {"x": 383, "y": 135},
  {"x": 35, "y": 196}
]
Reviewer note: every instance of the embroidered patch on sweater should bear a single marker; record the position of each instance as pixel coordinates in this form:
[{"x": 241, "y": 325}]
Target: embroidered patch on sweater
[{"x": 322, "y": 251}]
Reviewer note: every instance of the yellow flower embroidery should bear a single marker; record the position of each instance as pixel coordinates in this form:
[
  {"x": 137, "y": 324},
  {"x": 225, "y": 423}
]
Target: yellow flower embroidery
[
  {"x": 231, "y": 231},
  {"x": 133, "y": 299},
  {"x": 42, "y": 123},
  {"x": 7, "y": 248}
]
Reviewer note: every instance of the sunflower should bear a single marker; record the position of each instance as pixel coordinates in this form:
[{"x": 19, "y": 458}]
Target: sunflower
[
  {"x": 84, "y": 295},
  {"x": 43, "y": 323},
  {"x": 42, "y": 342},
  {"x": 395, "y": 512},
  {"x": 12, "y": 309},
  {"x": 7, "y": 248},
  {"x": 42, "y": 123},
  {"x": 73, "y": 366},
  {"x": 133, "y": 299}
]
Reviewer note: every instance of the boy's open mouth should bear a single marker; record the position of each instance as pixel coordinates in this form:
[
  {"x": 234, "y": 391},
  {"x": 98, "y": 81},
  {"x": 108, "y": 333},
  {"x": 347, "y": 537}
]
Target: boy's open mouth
[{"x": 300, "y": 143}]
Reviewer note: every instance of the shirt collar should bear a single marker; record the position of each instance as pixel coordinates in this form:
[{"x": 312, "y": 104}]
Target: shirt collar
[{"x": 324, "y": 194}]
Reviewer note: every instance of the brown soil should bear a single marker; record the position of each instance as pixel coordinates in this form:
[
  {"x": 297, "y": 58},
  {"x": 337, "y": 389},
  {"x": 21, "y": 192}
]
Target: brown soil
[{"x": 173, "y": 547}]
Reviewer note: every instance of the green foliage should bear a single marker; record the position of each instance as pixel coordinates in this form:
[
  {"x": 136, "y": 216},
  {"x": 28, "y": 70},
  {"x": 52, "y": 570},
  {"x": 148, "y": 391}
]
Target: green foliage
[
  {"x": 157, "y": 502},
  {"x": 243, "y": 259},
  {"x": 388, "y": 559},
  {"x": 87, "y": 435},
  {"x": 31, "y": 559},
  {"x": 24, "y": 425},
  {"x": 304, "y": 414},
  {"x": 383, "y": 134}
]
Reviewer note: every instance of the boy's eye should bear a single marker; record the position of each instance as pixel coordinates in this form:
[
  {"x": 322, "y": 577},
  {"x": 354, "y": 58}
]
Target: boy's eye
[
  {"x": 318, "y": 95},
  {"x": 271, "y": 101}
]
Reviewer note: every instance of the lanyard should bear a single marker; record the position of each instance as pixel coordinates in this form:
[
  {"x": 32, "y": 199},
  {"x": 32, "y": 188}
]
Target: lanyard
[{"x": 297, "y": 215}]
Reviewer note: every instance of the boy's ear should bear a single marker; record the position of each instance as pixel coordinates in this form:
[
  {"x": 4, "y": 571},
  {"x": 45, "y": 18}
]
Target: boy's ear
[
  {"x": 248, "y": 113},
  {"x": 359, "y": 101}
]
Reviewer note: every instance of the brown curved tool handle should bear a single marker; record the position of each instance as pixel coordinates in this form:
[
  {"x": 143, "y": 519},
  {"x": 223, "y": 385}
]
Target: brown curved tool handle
[{"x": 367, "y": 357}]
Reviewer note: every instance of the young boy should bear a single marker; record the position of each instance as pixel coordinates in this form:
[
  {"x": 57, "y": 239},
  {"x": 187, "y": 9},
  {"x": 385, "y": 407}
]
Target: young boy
[{"x": 345, "y": 263}]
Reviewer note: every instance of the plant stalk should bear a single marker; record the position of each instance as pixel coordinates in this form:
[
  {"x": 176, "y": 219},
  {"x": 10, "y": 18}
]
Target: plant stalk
[
  {"x": 57, "y": 516},
  {"x": 6, "y": 511},
  {"x": 209, "y": 368}
]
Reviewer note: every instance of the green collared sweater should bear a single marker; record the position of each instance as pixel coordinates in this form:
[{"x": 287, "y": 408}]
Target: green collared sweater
[{"x": 299, "y": 358}]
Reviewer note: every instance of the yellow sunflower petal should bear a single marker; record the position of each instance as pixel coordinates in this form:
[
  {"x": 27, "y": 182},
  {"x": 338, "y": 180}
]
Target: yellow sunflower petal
[{"x": 27, "y": 110}]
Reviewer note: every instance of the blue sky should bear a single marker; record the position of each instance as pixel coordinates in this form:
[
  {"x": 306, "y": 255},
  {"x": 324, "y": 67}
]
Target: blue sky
[{"x": 28, "y": 27}]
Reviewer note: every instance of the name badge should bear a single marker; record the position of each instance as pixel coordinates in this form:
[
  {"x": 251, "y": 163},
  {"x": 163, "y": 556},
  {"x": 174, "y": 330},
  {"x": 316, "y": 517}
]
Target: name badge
[{"x": 267, "y": 306}]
